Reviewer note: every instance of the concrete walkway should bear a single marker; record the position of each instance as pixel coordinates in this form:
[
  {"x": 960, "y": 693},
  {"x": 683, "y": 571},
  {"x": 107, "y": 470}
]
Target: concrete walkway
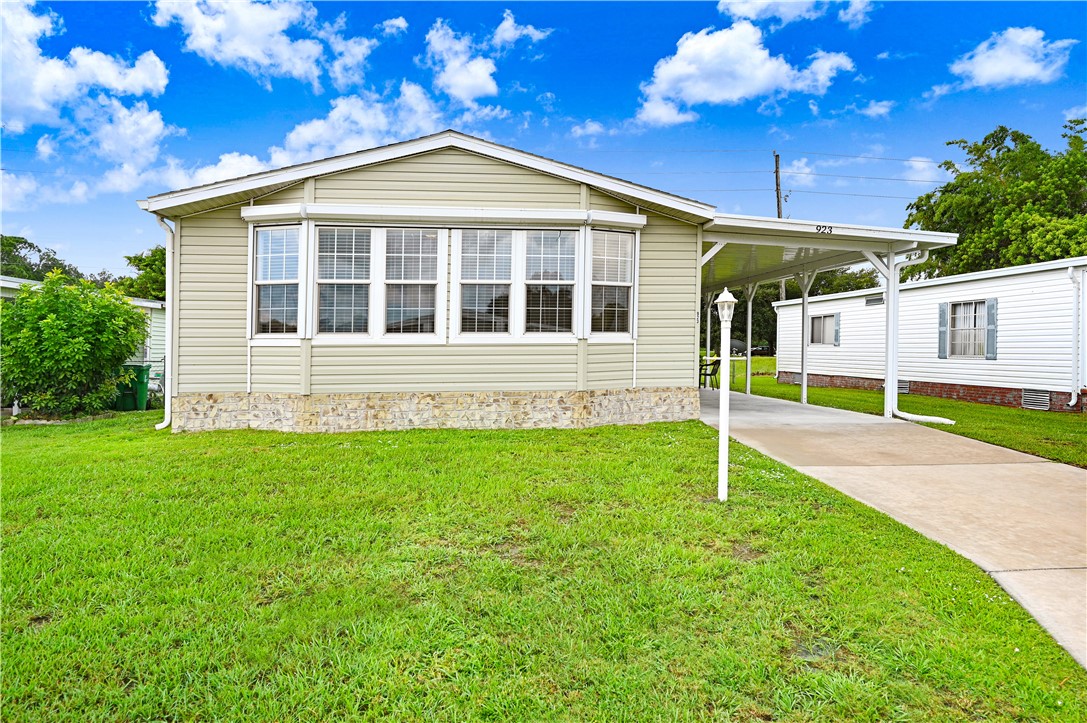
[{"x": 1021, "y": 518}]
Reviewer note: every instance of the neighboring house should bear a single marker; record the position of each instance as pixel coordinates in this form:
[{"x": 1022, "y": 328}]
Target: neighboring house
[
  {"x": 1015, "y": 336},
  {"x": 451, "y": 281},
  {"x": 154, "y": 350}
]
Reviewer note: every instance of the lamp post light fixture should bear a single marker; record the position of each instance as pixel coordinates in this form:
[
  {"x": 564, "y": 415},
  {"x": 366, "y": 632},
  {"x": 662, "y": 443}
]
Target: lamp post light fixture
[{"x": 726, "y": 305}]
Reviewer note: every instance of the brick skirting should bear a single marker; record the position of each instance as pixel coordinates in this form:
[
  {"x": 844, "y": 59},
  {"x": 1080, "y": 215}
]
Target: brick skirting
[
  {"x": 1002, "y": 396},
  {"x": 447, "y": 410}
]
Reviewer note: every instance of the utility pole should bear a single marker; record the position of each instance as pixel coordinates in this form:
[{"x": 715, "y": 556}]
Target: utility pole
[{"x": 777, "y": 190}]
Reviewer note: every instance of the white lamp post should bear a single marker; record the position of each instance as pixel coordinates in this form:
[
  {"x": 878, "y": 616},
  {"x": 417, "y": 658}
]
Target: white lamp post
[{"x": 726, "y": 304}]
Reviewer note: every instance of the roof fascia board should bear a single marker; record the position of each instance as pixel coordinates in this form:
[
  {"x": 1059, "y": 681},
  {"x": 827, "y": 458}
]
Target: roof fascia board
[
  {"x": 1041, "y": 267},
  {"x": 415, "y": 147},
  {"x": 802, "y": 229},
  {"x": 438, "y": 214},
  {"x": 820, "y": 242}
]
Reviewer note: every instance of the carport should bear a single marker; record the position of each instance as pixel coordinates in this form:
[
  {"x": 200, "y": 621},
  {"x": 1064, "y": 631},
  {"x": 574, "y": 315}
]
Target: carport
[{"x": 742, "y": 252}]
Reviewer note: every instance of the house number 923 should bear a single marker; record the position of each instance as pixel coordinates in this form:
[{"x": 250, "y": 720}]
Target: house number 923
[{"x": 824, "y": 229}]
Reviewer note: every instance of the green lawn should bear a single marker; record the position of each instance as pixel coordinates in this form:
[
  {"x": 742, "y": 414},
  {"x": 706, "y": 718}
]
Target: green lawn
[
  {"x": 1059, "y": 436},
  {"x": 510, "y": 575}
]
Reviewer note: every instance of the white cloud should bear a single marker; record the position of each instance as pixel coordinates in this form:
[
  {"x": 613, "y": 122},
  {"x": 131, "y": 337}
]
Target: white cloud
[
  {"x": 813, "y": 106},
  {"x": 786, "y": 11},
  {"x": 18, "y": 191},
  {"x": 416, "y": 113},
  {"x": 588, "y": 128},
  {"x": 509, "y": 32},
  {"x": 1016, "y": 56},
  {"x": 1079, "y": 111},
  {"x": 229, "y": 165},
  {"x": 919, "y": 169},
  {"x": 799, "y": 173},
  {"x": 348, "y": 67},
  {"x": 36, "y": 88},
  {"x": 856, "y": 13},
  {"x": 885, "y": 55},
  {"x": 393, "y": 26},
  {"x": 874, "y": 109},
  {"x": 460, "y": 73},
  {"x": 46, "y": 147},
  {"x": 249, "y": 35},
  {"x": 729, "y": 67},
  {"x": 126, "y": 135}
]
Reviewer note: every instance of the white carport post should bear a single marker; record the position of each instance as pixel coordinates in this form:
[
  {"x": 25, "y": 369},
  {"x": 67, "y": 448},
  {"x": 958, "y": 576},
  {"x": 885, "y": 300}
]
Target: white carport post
[
  {"x": 726, "y": 304},
  {"x": 804, "y": 279},
  {"x": 709, "y": 328},
  {"x": 749, "y": 291}
]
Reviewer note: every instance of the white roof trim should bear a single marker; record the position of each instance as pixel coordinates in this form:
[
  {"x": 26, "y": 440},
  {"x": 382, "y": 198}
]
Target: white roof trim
[
  {"x": 1040, "y": 267},
  {"x": 439, "y": 214},
  {"x": 825, "y": 234},
  {"x": 447, "y": 139}
]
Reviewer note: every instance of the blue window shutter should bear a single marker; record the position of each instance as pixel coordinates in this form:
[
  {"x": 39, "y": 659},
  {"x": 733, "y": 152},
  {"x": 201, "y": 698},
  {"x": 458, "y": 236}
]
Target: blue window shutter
[
  {"x": 943, "y": 332},
  {"x": 838, "y": 329},
  {"x": 990, "y": 328}
]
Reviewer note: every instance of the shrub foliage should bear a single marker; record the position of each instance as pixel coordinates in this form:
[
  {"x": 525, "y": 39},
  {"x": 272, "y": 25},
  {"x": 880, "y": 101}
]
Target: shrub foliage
[{"x": 63, "y": 345}]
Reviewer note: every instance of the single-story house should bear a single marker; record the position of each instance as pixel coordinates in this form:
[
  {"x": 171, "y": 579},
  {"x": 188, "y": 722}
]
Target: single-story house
[
  {"x": 154, "y": 349},
  {"x": 452, "y": 281},
  {"x": 1015, "y": 336}
]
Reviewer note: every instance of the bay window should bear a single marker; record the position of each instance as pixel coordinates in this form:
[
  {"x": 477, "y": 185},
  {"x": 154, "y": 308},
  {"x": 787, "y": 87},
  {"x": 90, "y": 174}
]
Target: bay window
[
  {"x": 612, "y": 279},
  {"x": 276, "y": 277}
]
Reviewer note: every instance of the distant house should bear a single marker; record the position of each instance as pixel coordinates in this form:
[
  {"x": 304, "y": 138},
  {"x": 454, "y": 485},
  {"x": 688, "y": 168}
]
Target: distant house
[
  {"x": 1015, "y": 336},
  {"x": 448, "y": 281},
  {"x": 154, "y": 349}
]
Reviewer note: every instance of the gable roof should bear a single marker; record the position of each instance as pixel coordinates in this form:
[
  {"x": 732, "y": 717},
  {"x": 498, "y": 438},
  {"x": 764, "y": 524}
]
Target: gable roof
[{"x": 188, "y": 201}]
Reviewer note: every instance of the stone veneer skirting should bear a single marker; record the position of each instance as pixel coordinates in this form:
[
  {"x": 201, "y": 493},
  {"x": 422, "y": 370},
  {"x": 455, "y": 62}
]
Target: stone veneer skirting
[
  {"x": 1002, "y": 396},
  {"x": 449, "y": 410}
]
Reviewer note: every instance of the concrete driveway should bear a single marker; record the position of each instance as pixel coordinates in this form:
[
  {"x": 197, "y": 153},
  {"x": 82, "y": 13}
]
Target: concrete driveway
[{"x": 1021, "y": 518}]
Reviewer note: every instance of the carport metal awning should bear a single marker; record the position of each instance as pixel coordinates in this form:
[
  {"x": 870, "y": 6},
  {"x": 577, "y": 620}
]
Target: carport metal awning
[{"x": 743, "y": 250}]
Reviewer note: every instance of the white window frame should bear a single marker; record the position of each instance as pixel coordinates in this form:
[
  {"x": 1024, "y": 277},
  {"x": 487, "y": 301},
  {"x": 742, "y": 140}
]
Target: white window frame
[
  {"x": 577, "y": 296},
  {"x": 811, "y": 327},
  {"x": 315, "y": 310},
  {"x": 610, "y": 337},
  {"x": 981, "y": 330},
  {"x": 378, "y": 282},
  {"x": 277, "y": 338}
]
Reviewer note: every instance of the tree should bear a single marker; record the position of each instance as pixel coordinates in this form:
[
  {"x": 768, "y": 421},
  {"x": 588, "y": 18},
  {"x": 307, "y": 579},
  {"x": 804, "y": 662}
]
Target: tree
[
  {"x": 150, "y": 281},
  {"x": 1015, "y": 203},
  {"x": 63, "y": 344},
  {"x": 24, "y": 259}
]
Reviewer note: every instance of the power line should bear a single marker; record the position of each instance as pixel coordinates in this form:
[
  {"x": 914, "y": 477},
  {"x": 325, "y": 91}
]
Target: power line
[
  {"x": 858, "y": 195},
  {"x": 866, "y": 178}
]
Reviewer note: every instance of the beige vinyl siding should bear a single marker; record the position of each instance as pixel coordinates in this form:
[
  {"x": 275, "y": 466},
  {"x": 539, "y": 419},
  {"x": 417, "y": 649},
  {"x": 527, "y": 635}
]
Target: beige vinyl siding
[
  {"x": 156, "y": 341},
  {"x": 604, "y": 202},
  {"x": 291, "y": 194},
  {"x": 211, "y": 302},
  {"x": 448, "y": 177},
  {"x": 456, "y": 367},
  {"x": 610, "y": 366},
  {"x": 668, "y": 303},
  {"x": 276, "y": 368}
]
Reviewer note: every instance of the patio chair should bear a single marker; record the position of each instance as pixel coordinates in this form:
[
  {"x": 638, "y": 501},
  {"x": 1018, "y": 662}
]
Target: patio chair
[{"x": 707, "y": 373}]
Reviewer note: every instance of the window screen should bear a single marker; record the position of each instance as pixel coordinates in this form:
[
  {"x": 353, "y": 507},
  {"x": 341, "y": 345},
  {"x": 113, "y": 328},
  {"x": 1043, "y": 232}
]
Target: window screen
[
  {"x": 486, "y": 255},
  {"x": 550, "y": 257},
  {"x": 277, "y": 280},
  {"x": 343, "y": 255},
  {"x": 613, "y": 273},
  {"x": 411, "y": 255}
]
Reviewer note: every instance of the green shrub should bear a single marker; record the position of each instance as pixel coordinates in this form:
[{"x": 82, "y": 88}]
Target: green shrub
[{"x": 63, "y": 343}]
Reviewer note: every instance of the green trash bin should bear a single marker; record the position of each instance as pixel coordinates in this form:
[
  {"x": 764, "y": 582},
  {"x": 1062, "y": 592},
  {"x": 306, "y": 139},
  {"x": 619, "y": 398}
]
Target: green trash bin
[{"x": 132, "y": 396}]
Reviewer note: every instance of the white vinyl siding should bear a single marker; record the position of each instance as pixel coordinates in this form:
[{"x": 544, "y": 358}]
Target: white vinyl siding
[{"x": 1035, "y": 333}]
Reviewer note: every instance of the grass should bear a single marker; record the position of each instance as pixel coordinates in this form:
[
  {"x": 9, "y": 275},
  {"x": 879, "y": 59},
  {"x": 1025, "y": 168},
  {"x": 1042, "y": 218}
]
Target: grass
[
  {"x": 1058, "y": 436},
  {"x": 520, "y": 575}
]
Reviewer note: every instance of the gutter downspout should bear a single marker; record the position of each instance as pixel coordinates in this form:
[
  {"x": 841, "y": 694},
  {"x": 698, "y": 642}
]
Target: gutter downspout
[
  {"x": 894, "y": 268},
  {"x": 1077, "y": 332},
  {"x": 168, "y": 367}
]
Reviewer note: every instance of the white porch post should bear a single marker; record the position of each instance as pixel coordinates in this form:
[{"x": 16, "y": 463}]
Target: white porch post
[
  {"x": 709, "y": 327},
  {"x": 890, "y": 374},
  {"x": 726, "y": 304},
  {"x": 749, "y": 291},
  {"x": 804, "y": 279}
]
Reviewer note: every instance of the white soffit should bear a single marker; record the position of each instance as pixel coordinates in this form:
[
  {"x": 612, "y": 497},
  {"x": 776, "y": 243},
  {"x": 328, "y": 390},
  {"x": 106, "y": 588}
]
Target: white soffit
[{"x": 439, "y": 214}]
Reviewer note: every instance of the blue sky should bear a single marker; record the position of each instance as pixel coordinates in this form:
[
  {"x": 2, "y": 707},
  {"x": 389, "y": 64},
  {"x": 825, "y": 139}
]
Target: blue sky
[{"x": 105, "y": 103}]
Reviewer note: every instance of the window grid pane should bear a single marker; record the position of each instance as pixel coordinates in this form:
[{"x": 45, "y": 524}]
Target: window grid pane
[
  {"x": 411, "y": 254},
  {"x": 409, "y": 308},
  {"x": 343, "y": 254},
  {"x": 277, "y": 254},
  {"x": 486, "y": 255},
  {"x": 612, "y": 255},
  {"x": 550, "y": 255},
  {"x": 344, "y": 308},
  {"x": 822, "y": 329},
  {"x": 485, "y": 308},
  {"x": 611, "y": 309},
  {"x": 967, "y": 330},
  {"x": 277, "y": 309},
  {"x": 549, "y": 308}
]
